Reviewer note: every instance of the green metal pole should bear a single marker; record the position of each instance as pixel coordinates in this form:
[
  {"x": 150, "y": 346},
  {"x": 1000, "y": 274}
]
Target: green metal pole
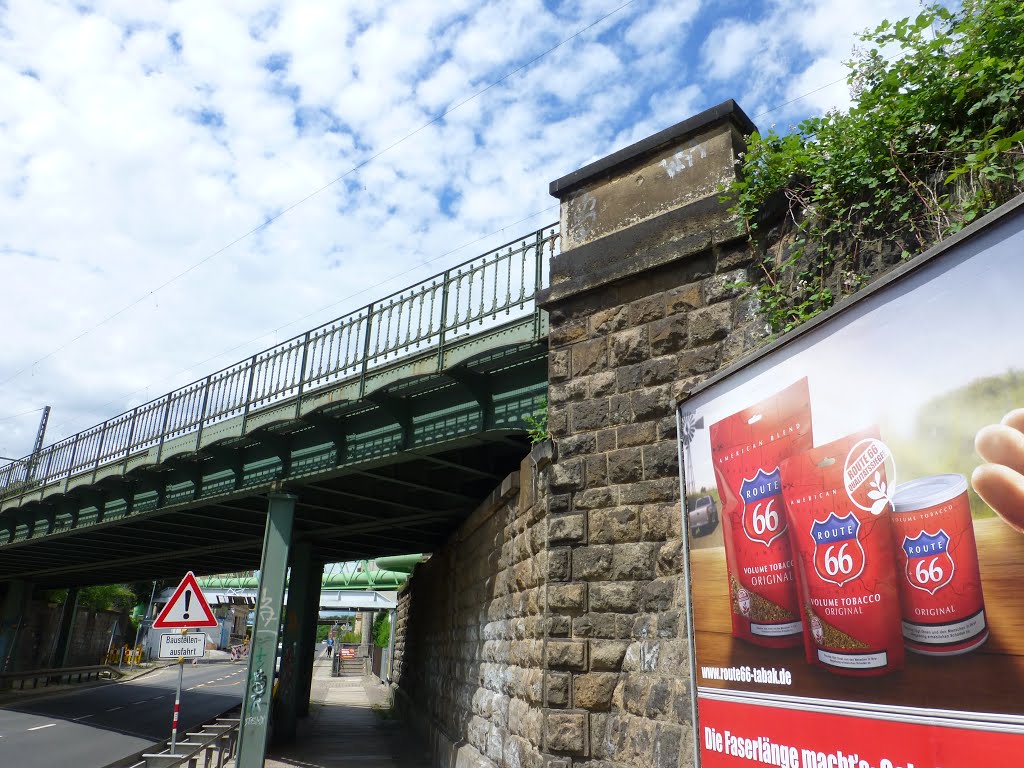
[
  {"x": 65, "y": 628},
  {"x": 286, "y": 703},
  {"x": 252, "y": 732},
  {"x": 11, "y": 616},
  {"x": 136, "y": 657},
  {"x": 307, "y": 636}
]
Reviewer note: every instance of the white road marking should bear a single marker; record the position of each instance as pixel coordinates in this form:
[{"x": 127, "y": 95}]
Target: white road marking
[
  {"x": 114, "y": 709},
  {"x": 83, "y": 717},
  {"x": 40, "y": 727},
  {"x": 139, "y": 702}
]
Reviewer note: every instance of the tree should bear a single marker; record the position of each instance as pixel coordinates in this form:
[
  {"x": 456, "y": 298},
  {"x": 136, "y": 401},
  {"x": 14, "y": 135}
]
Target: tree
[
  {"x": 934, "y": 139},
  {"x": 381, "y": 630}
]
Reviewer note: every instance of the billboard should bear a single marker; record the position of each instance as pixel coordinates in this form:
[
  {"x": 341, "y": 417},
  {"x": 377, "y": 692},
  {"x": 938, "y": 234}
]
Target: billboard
[{"x": 854, "y": 525}]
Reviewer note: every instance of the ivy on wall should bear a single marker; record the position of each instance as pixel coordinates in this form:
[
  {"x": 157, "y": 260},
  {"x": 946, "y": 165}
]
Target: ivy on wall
[{"x": 934, "y": 138}]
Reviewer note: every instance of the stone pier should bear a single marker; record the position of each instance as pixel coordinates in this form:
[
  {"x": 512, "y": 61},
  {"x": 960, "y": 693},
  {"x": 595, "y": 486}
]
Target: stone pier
[{"x": 552, "y": 629}]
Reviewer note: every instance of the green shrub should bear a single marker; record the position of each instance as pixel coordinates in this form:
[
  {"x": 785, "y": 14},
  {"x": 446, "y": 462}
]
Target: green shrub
[
  {"x": 934, "y": 139},
  {"x": 381, "y": 630}
]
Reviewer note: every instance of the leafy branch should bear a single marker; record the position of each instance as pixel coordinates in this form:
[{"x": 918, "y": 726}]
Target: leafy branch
[
  {"x": 934, "y": 139},
  {"x": 538, "y": 425}
]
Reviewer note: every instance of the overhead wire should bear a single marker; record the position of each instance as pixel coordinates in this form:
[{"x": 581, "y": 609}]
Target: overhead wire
[
  {"x": 401, "y": 274},
  {"x": 324, "y": 308},
  {"x": 19, "y": 415},
  {"x": 330, "y": 184},
  {"x": 797, "y": 98},
  {"x": 361, "y": 164},
  {"x": 16, "y": 416}
]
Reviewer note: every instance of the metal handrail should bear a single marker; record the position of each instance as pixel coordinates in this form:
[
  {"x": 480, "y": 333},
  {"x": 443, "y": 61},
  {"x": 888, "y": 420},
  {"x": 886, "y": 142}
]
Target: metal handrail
[
  {"x": 57, "y": 674},
  {"x": 450, "y": 306},
  {"x": 212, "y": 746}
]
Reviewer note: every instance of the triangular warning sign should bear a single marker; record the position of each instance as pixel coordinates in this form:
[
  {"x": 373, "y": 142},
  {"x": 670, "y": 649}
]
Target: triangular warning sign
[{"x": 187, "y": 607}]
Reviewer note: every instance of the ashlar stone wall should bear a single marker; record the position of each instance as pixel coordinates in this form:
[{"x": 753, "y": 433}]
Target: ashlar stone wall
[
  {"x": 642, "y": 305},
  {"x": 89, "y": 640},
  {"x": 470, "y": 642},
  {"x": 551, "y": 631}
]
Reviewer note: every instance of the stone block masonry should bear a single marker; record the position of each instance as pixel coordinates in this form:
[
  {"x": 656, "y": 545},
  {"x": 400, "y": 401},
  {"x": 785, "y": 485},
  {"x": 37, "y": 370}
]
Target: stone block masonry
[
  {"x": 551, "y": 631},
  {"x": 90, "y": 638},
  {"x": 643, "y": 304},
  {"x": 470, "y": 638}
]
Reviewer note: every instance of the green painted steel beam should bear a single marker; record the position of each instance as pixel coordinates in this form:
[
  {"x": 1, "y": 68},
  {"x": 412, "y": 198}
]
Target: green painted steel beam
[
  {"x": 372, "y": 465},
  {"x": 255, "y": 718},
  {"x": 355, "y": 575}
]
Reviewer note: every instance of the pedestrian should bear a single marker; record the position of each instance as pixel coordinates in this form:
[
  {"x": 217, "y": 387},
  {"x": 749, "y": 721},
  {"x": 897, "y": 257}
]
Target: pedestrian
[{"x": 330, "y": 646}]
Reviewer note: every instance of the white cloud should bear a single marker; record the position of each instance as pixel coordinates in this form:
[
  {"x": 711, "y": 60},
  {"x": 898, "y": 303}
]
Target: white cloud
[
  {"x": 662, "y": 25},
  {"x": 729, "y": 48},
  {"x": 138, "y": 137},
  {"x": 793, "y": 51}
]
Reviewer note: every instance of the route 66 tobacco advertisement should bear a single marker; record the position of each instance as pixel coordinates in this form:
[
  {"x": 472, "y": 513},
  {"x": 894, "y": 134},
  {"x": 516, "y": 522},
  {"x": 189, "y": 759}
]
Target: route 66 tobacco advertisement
[{"x": 854, "y": 516}]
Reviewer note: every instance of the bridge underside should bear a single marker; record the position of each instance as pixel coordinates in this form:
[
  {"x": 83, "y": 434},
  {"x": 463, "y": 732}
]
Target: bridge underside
[{"x": 391, "y": 473}]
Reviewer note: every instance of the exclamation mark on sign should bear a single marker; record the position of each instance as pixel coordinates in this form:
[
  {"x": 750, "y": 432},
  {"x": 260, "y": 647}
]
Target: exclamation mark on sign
[{"x": 188, "y": 599}]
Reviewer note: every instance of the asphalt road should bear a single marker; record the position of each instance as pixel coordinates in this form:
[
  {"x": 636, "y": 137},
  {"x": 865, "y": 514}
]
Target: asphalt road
[{"x": 92, "y": 728}]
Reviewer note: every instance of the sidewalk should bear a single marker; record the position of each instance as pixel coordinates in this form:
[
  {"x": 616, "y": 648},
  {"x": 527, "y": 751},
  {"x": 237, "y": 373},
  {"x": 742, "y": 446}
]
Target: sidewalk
[{"x": 349, "y": 726}]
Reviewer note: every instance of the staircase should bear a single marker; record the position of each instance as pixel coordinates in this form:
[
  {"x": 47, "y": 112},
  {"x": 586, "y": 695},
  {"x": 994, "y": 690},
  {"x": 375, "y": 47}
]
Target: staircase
[{"x": 350, "y": 661}]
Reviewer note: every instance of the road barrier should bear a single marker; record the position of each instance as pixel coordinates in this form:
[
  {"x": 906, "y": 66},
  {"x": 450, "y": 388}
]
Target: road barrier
[
  {"x": 239, "y": 652},
  {"x": 57, "y": 676},
  {"x": 211, "y": 746},
  {"x": 125, "y": 656}
]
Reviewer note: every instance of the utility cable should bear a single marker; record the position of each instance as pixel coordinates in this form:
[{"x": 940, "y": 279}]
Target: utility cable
[
  {"x": 898, "y": 57},
  {"x": 797, "y": 98},
  {"x": 412, "y": 269},
  {"x": 312, "y": 194},
  {"x": 352, "y": 295},
  {"x": 19, "y": 415},
  {"x": 329, "y": 184}
]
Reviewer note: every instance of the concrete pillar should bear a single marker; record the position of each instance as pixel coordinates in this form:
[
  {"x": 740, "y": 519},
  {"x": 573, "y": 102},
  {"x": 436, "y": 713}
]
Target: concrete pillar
[
  {"x": 296, "y": 646},
  {"x": 67, "y": 624},
  {"x": 366, "y": 643},
  {"x": 252, "y": 732}
]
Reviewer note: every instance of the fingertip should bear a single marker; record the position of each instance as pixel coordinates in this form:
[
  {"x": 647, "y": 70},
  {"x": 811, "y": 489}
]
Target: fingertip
[
  {"x": 987, "y": 442},
  {"x": 978, "y": 474},
  {"x": 1002, "y": 489},
  {"x": 1014, "y": 419}
]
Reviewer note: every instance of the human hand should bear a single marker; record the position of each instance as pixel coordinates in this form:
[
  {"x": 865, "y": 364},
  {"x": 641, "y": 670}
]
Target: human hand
[{"x": 1000, "y": 482}]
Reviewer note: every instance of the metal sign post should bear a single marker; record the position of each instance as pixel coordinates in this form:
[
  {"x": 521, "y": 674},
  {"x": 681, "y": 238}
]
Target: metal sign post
[
  {"x": 177, "y": 704},
  {"x": 186, "y": 608},
  {"x": 181, "y": 647}
]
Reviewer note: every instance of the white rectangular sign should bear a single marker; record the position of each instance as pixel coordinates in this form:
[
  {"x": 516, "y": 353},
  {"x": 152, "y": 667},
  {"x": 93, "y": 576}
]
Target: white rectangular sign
[{"x": 190, "y": 646}]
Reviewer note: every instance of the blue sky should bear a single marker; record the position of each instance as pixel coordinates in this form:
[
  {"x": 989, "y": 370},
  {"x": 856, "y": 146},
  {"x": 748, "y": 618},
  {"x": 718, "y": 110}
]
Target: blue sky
[{"x": 139, "y": 137}]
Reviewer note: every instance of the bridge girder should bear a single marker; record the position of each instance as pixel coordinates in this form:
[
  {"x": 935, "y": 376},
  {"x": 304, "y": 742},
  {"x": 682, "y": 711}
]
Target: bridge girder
[{"x": 385, "y": 475}]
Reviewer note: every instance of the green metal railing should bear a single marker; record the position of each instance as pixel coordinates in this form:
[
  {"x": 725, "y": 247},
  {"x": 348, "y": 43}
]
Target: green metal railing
[{"x": 462, "y": 301}]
